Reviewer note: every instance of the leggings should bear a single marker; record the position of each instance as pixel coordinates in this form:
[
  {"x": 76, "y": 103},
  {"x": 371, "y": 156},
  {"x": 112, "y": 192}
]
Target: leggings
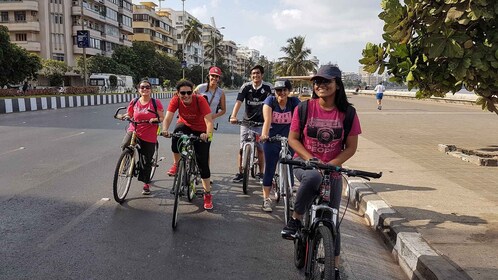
[
  {"x": 272, "y": 151},
  {"x": 146, "y": 152},
  {"x": 201, "y": 149},
  {"x": 310, "y": 184}
]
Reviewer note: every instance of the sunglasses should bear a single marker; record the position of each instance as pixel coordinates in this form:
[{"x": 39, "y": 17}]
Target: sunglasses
[
  {"x": 318, "y": 82},
  {"x": 189, "y": 92},
  {"x": 215, "y": 76},
  {"x": 145, "y": 87}
]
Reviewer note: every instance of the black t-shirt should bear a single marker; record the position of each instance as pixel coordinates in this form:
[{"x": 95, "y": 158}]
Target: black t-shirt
[{"x": 254, "y": 99}]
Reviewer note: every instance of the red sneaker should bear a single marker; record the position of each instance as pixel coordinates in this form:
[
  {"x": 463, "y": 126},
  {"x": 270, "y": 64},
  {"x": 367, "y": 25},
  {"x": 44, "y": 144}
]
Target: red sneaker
[
  {"x": 208, "y": 201},
  {"x": 146, "y": 189},
  {"x": 172, "y": 170}
]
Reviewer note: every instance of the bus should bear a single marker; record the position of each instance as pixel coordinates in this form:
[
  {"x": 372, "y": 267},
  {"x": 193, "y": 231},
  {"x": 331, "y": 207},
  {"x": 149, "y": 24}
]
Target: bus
[{"x": 102, "y": 80}]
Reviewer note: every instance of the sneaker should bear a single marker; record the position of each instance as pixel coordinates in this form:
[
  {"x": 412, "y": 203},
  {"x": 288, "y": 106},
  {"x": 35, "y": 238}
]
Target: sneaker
[
  {"x": 267, "y": 205},
  {"x": 379, "y": 108},
  {"x": 337, "y": 274},
  {"x": 208, "y": 201},
  {"x": 238, "y": 178},
  {"x": 290, "y": 230},
  {"x": 146, "y": 189},
  {"x": 259, "y": 177},
  {"x": 172, "y": 170}
]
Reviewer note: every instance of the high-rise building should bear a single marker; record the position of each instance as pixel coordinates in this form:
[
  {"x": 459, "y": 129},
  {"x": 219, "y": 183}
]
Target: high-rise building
[
  {"x": 49, "y": 28},
  {"x": 156, "y": 26},
  {"x": 194, "y": 52}
]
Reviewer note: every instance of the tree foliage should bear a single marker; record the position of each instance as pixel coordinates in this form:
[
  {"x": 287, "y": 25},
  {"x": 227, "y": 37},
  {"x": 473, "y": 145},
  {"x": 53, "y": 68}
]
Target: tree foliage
[
  {"x": 213, "y": 47},
  {"x": 54, "y": 70},
  {"x": 296, "y": 62},
  {"x": 439, "y": 46},
  {"x": 17, "y": 65}
]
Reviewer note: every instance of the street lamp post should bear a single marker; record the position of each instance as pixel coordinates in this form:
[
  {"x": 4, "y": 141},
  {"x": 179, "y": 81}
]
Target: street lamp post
[
  {"x": 183, "y": 37},
  {"x": 85, "y": 74}
]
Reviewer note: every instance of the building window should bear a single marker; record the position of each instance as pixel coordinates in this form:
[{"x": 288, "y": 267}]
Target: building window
[
  {"x": 58, "y": 56},
  {"x": 21, "y": 37},
  {"x": 4, "y": 17},
  {"x": 20, "y": 16}
]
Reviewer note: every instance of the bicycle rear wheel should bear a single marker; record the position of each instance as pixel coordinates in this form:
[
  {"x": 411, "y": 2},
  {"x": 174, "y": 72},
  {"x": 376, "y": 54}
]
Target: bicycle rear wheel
[
  {"x": 255, "y": 166},
  {"x": 154, "y": 161},
  {"x": 180, "y": 180},
  {"x": 122, "y": 175},
  {"x": 284, "y": 180},
  {"x": 322, "y": 255},
  {"x": 247, "y": 161}
]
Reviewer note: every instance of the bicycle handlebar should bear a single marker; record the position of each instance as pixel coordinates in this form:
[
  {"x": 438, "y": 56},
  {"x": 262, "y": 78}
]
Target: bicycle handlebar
[
  {"x": 328, "y": 167},
  {"x": 181, "y": 134},
  {"x": 248, "y": 123},
  {"x": 123, "y": 117},
  {"x": 277, "y": 138}
]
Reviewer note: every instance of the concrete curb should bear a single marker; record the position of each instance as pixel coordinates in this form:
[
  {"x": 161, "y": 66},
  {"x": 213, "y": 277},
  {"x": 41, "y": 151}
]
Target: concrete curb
[
  {"x": 414, "y": 255},
  {"x": 452, "y": 150},
  {"x": 14, "y": 105},
  {"x": 450, "y": 98}
]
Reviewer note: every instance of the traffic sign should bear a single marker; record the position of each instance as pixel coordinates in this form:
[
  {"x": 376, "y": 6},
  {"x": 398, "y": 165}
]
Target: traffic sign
[
  {"x": 83, "y": 38},
  {"x": 184, "y": 64}
]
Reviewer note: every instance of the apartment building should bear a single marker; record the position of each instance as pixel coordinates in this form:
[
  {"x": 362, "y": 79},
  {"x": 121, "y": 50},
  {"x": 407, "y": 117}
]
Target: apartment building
[
  {"x": 154, "y": 26},
  {"x": 230, "y": 48},
  {"x": 49, "y": 27},
  {"x": 194, "y": 53}
]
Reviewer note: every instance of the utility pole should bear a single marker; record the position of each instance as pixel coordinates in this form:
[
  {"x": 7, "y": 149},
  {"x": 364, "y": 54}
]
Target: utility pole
[
  {"x": 183, "y": 41},
  {"x": 84, "y": 47}
]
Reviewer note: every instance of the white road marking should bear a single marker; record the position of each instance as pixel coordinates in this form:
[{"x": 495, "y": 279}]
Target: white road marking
[
  {"x": 54, "y": 237},
  {"x": 11, "y": 151},
  {"x": 72, "y": 135}
]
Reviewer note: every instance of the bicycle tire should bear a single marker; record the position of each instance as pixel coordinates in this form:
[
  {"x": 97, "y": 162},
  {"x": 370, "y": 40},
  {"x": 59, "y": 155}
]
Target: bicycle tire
[
  {"x": 284, "y": 177},
  {"x": 191, "y": 177},
  {"x": 276, "y": 189},
  {"x": 179, "y": 179},
  {"x": 299, "y": 252},
  {"x": 255, "y": 166},
  {"x": 126, "y": 167},
  {"x": 322, "y": 255},
  {"x": 247, "y": 160},
  {"x": 155, "y": 157}
]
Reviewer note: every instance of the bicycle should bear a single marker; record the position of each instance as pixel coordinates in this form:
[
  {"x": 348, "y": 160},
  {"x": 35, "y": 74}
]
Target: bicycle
[
  {"x": 282, "y": 179},
  {"x": 314, "y": 245},
  {"x": 130, "y": 162},
  {"x": 250, "y": 161},
  {"x": 187, "y": 176}
]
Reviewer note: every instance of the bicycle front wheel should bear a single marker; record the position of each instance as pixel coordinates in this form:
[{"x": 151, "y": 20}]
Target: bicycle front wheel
[
  {"x": 123, "y": 175},
  {"x": 247, "y": 161},
  {"x": 180, "y": 180},
  {"x": 322, "y": 255},
  {"x": 154, "y": 161},
  {"x": 285, "y": 186}
]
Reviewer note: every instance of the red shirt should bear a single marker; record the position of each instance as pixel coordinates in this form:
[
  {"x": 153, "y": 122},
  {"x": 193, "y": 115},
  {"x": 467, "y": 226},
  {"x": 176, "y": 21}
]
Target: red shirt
[
  {"x": 192, "y": 115},
  {"x": 145, "y": 131}
]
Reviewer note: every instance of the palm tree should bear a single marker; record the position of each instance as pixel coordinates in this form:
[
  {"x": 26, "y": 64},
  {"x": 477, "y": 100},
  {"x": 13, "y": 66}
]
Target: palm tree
[
  {"x": 295, "y": 63},
  {"x": 209, "y": 49},
  {"x": 192, "y": 32}
]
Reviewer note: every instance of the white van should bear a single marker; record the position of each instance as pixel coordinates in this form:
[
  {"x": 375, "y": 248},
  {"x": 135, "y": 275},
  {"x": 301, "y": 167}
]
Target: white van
[{"x": 124, "y": 83}]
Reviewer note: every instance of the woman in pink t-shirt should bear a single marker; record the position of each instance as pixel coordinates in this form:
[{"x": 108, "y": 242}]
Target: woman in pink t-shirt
[
  {"x": 322, "y": 141},
  {"x": 140, "y": 110}
]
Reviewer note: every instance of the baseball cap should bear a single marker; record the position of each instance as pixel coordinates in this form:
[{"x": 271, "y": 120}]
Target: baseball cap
[
  {"x": 328, "y": 72},
  {"x": 281, "y": 84},
  {"x": 215, "y": 71}
]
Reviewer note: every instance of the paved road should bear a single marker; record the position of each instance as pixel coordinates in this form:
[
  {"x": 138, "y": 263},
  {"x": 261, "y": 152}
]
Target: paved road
[{"x": 57, "y": 223}]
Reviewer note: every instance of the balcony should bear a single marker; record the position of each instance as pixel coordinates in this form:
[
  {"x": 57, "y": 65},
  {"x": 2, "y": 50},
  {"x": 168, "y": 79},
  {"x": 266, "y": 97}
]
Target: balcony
[
  {"x": 19, "y": 5},
  {"x": 76, "y": 10},
  {"x": 17, "y": 26},
  {"x": 29, "y": 46}
]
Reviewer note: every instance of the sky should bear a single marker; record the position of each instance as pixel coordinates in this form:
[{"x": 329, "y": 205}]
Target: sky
[{"x": 336, "y": 31}]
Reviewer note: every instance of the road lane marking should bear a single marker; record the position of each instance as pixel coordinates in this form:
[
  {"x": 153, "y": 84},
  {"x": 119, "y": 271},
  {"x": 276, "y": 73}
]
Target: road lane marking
[
  {"x": 72, "y": 135},
  {"x": 11, "y": 151},
  {"x": 54, "y": 237}
]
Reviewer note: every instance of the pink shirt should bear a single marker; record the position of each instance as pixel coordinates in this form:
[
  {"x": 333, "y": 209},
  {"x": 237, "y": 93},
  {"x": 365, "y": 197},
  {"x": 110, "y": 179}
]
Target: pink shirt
[
  {"x": 145, "y": 131},
  {"x": 324, "y": 131}
]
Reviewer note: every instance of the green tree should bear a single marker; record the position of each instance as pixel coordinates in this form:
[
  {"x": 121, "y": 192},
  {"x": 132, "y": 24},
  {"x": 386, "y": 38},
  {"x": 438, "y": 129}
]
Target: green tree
[
  {"x": 439, "y": 47},
  {"x": 210, "y": 50},
  {"x": 17, "y": 65},
  {"x": 102, "y": 64},
  {"x": 296, "y": 62},
  {"x": 54, "y": 70},
  {"x": 193, "y": 32}
]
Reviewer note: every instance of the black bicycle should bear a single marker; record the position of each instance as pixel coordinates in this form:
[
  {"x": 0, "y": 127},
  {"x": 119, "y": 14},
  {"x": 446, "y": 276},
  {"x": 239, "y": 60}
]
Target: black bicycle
[
  {"x": 187, "y": 176},
  {"x": 315, "y": 245},
  {"x": 130, "y": 162}
]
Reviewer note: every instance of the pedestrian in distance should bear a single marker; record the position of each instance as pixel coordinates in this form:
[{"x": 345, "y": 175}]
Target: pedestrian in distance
[
  {"x": 277, "y": 113},
  {"x": 379, "y": 90},
  {"x": 25, "y": 87},
  {"x": 253, "y": 94},
  {"x": 194, "y": 118},
  {"x": 321, "y": 139},
  {"x": 140, "y": 109}
]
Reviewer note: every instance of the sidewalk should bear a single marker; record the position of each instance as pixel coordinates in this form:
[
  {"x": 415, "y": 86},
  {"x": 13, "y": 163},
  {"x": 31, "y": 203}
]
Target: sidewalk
[{"x": 438, "y": 213}]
